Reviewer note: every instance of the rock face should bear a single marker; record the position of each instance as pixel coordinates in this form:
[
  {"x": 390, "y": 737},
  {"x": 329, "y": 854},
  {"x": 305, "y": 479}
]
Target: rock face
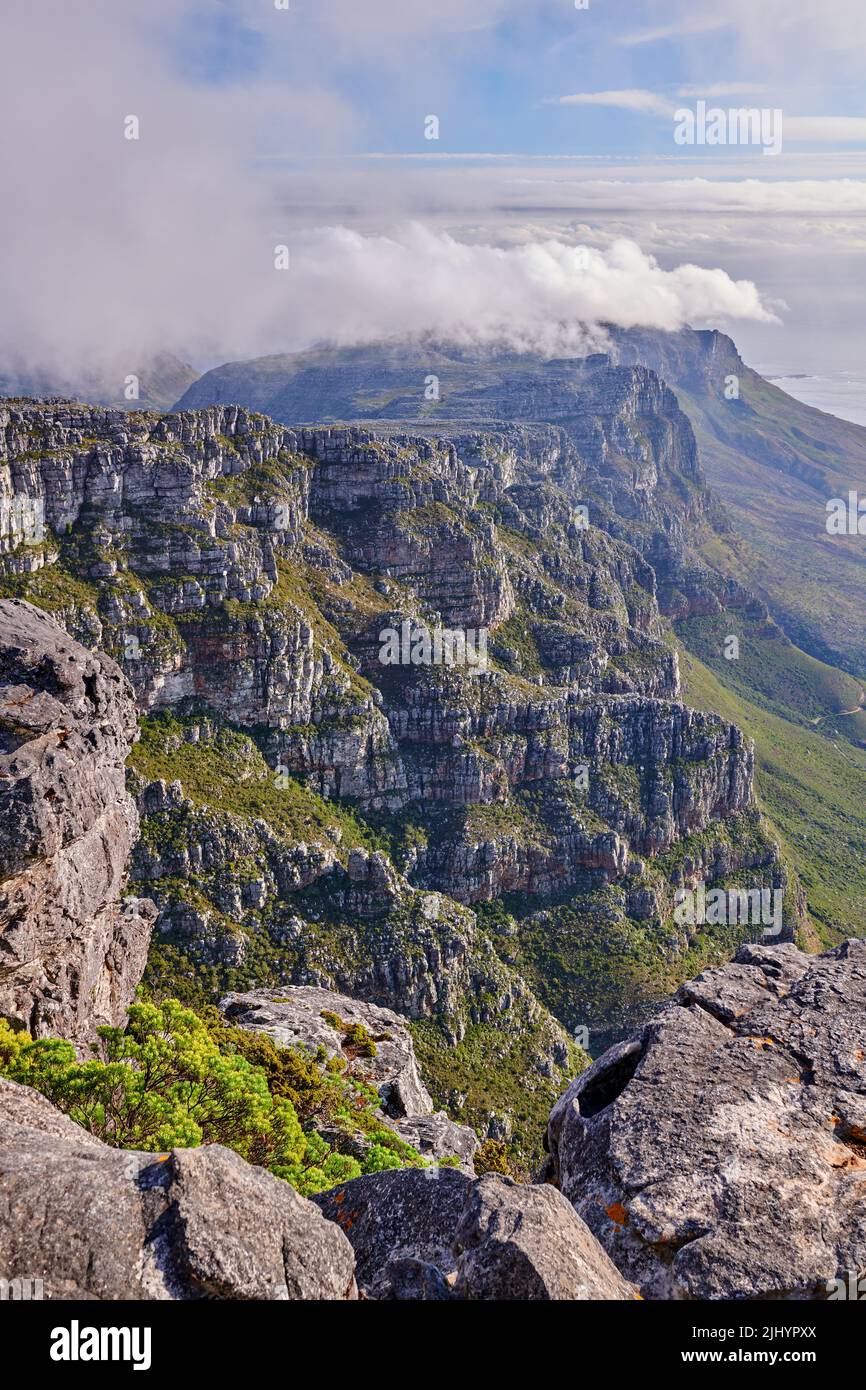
[
  {"x": 303, "y": 1016},
  {"x": 437, "y": 1235},
  {"x": 721, "y": 1153},
  {"x": 70, "y": 955},
  {"x": 99, "y": 1223},
  {"x": 401, "y": 1226},
  {"x": 316, "y": 813}
]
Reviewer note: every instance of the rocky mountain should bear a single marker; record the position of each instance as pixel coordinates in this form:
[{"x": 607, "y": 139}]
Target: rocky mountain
[
  {"x": 471, "y": 845},
  {"x": 775, "y": 463},
  {"x": 756, "y": 444},
  {"x": 766, "y": 605}
]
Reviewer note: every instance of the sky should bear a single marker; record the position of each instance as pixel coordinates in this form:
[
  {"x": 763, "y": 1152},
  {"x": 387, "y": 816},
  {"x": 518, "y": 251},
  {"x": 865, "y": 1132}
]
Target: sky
[{"x": 554, "y": 196}]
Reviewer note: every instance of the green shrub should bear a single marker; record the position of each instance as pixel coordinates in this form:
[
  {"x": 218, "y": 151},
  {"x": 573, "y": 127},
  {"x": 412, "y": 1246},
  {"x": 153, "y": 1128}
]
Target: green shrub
[
  {"x": 175, "y": 1078},
  {"x": 492, "y": 1157}
]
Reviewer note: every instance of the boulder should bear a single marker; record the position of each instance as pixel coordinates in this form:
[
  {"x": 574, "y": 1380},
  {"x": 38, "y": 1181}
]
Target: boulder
[
  {"x": 304, "y": 1016},
  {"x": 721, "y": 1152},
  {"x": 438, "y": 1235},
  {"x": 390, "y": 1218},
  {"x": 527, "y": 1244},
  {"x": 70, "y": 954},
  {"x": 437, "y": 1136},
  {"x": 295, "y": 1016},
  {"x": 94, "y": 1222}
]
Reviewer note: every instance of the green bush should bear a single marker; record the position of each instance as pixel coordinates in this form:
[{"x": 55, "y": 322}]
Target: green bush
[
  {"x": 492, "y": 1157},
  {"x": 177, "y": 1078}
]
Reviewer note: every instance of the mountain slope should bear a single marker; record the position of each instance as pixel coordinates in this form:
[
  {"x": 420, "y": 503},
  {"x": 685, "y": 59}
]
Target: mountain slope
[{"x": 775, "y": 463}]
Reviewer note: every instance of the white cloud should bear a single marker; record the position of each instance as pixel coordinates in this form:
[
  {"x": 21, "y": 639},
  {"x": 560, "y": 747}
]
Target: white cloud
[
  {"x": 541, "y": 294},
  {"x": 630, "y": 99},
  {"x": 835, "y": 130}
]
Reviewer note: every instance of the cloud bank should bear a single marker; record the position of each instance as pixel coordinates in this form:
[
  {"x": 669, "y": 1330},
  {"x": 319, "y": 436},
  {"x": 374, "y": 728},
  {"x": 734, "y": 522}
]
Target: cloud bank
[{"x": 355, "y": 288}]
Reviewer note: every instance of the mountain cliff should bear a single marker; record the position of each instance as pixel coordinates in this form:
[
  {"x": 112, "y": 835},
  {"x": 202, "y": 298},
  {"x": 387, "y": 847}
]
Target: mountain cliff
[
  {"x": 71, "y": 955},
  {"x": 472, "y": 847},
  {"x": 772, "y": 461}
]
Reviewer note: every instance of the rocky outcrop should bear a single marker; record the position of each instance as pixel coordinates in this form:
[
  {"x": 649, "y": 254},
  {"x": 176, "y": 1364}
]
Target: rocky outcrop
[
  {"x": 438, "y": 1236},
  {"x": 98, "y": 1223},
  {"x": 92, "y": 1222},
  {"x": 721, "y": 1152},
  {"x": 70, "y": 954},
  {"x": 374, "y": 1042}
]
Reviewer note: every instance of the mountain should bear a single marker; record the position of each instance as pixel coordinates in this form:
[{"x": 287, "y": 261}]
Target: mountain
[
  {"x": 735, "y": 533},
  {"x": 775, "y": 463},
  {"x": 772, "y": 461},
  {"x": 493, "y": 852},
  {"x": 161, "y": 378}
]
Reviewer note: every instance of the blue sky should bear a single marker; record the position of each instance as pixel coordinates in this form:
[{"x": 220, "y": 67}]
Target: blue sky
[{"x": 496, "y": 72}]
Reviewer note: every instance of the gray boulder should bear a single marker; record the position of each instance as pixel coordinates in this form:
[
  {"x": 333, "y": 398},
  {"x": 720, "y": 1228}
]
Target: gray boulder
[
  {"x": 70, "y": 954},
  {"x": 295, "y": 1016},
  {"x": 407, "y": 1214},
  {"x": 438, "y": 1235},
  {"x": 94, "y": 1222},
  {"x": 527, "y": 1244},
  {"x": 721, "y": 1152}
]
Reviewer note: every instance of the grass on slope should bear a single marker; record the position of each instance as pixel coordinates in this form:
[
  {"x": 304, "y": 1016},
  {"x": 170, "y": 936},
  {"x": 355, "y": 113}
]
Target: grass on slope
[
  {"x": 775, "y": 463},
  {"x": 813, "y": 789},
  {"x": 772, "y": 672}
]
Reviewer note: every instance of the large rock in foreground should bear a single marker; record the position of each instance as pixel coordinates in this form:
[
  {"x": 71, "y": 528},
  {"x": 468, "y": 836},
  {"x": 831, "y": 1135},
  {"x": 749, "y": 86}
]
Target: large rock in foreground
[
  {"x": 70, "y": 956},
  {"x": 103, "y": 1223},
  {"x": 438, "y": 1235},
  {"x": 721, "y": 1153},
  {"x": 312, "y": 1018}
]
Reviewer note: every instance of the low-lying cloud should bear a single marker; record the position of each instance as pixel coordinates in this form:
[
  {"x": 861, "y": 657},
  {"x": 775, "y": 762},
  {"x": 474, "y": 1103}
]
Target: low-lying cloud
[{"x": 541, "y": 296}]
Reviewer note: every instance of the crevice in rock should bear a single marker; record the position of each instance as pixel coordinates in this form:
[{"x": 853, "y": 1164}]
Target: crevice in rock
[
  {"x": 695, "y": 1003},
  {"x": 90, "y": 689},
  {"x": 608, "y": 1084}
]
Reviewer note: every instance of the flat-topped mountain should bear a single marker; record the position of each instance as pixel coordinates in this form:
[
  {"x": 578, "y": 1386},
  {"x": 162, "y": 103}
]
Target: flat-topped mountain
[{"x": 772, "y": 461}]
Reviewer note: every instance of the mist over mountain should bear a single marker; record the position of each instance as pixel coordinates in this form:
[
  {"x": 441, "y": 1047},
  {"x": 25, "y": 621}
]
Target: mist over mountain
[{"x": 772, "y": 460}]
